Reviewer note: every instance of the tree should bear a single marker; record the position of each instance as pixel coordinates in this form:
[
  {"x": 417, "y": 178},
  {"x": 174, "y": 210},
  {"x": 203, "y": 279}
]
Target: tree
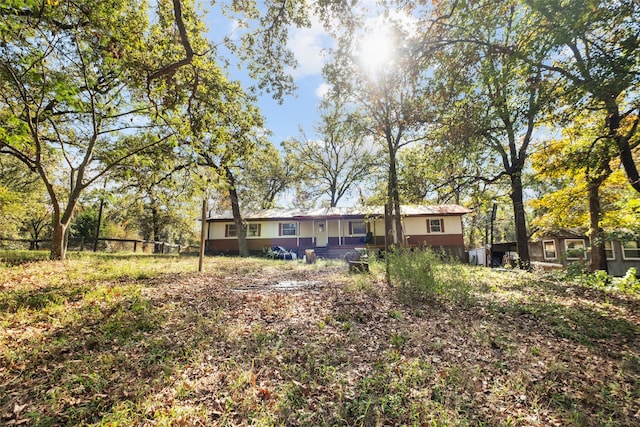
[
  {"x": 582, "y": 167},
  {"x": 447, "y": 171},
  {"x": 389, "y": 95},
  {"x": 342, "y": 158},
  {"x": 512, "y": 93},
  {"x": 77, "y": 76},
  {"x": 68, "y": 75},
  {"x": 157, "y": 186},
  {"x": 595, "y": 50},
  {"x": 24, "y": 209},
  {"x": 265, "y": 176},
  {"x": 84, "y": 224},
  {"x": 221, "y": 130}
]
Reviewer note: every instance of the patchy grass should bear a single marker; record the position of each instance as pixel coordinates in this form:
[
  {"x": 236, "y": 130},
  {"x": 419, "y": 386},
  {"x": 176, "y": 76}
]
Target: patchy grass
[{"x": 139, "y": 340}]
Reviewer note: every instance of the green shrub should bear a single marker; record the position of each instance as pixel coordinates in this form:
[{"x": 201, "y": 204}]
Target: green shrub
[
  {"x": 427, "y": 276},
  {"x": 412, "y": 274},
  {"x": 631, "y": 281},
  {"x": 598, "y": 279},
  {"x": 601, "y": 280},
  {"x": 577, "y": 269}
]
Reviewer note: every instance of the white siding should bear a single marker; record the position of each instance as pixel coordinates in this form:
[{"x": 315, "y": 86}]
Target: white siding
[
  {"x": 306, "y": 229},
  {"x": 271, "y": 229},
  {"x": 418, "y": 226},
  {"x": 216, "y": 230}
]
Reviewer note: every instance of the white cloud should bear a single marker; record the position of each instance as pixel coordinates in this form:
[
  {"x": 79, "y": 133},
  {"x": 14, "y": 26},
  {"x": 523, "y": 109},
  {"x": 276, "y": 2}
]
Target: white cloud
[
  {"x": 307, "y": 45},
  {"x": 322, "y": 90},
  {"x": 234, "y": 29}
]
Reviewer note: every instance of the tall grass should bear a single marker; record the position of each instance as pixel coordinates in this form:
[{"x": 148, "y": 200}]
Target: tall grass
[
  {"x": 426, "y": 276},
  {"x": 90, "y": 341}
]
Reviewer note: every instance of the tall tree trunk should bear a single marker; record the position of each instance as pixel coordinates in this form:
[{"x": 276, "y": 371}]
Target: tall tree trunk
[
  {"x": 155, "y": 228},
  {"x": 388, "y": 225},
  {"x": 333, "y": 202},
  {"x": 395, "y": 197},
  {"x": 626, "y": 157},
  {"x": 35, "y": 234},
  {"x": 614, "y": 123},
  {"x": 243, "y": 246},
  {"x": 388, "y": 239},
  {"x": 60, "y": 221},
  {"x": 598, "y": 253},
  {"x": 58, "y": 244},
  {"x": 522, "y": 239}
]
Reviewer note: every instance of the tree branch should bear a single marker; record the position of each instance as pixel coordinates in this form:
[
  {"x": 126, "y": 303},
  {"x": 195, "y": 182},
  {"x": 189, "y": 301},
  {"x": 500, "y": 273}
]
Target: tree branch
[{"x": 170, "y": 69}]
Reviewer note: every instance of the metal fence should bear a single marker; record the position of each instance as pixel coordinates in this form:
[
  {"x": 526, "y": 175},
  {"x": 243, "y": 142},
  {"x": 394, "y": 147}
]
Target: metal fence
[{"x": 104, "y": 245}]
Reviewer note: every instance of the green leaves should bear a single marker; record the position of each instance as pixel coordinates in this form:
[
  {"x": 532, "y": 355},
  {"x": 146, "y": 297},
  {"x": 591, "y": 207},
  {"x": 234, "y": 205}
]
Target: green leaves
[
  {"x": 598, "y": 65},
  {"x": 341, "y": 161}
]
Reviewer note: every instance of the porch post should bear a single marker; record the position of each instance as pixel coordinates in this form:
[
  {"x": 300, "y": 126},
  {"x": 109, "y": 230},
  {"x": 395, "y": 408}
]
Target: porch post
[{"x": 326, "y": 229}]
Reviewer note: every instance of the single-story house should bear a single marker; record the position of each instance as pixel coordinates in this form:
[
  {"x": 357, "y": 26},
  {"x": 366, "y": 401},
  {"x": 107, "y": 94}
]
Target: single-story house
[
  {"x": 334, "y": 231},
  {"x": 569, "y": 246},
  {"x": 565, "y": 247}
]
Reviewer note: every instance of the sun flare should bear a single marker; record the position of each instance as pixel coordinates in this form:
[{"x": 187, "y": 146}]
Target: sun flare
[
  {"x": 382, "y": 40},
  {"x": 375, "y": 50}
]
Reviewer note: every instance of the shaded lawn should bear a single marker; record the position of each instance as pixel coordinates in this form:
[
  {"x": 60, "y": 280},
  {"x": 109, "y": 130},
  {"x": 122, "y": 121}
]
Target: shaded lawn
[{"x": 143, "y": 340}]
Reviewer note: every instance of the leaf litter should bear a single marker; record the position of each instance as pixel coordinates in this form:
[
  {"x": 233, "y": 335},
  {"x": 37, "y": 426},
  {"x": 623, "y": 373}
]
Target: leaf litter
[{"x": 252, "y": 343}]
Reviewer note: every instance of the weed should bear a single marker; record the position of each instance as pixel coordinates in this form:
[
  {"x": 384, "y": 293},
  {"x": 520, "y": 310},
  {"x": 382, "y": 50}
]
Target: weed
[
  {"x": 426, "y": 276},
  {"x": 597, "y": 280},
  {"x": 398, "y": 339},
  {"x": 361, "y": 283},
  {"x": 395, "y": 314},
  {"x": 437, "y": 344},
  {"x": 139, "y": 340},
  {"x": 630, "y": 282},
  {"x": 385, "y": 396}
]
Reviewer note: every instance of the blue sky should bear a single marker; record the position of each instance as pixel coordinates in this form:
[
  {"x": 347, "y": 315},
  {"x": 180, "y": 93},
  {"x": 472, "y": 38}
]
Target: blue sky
[
  {"x": 300, "y": 110},
  {"x": 285, "y": 119}
]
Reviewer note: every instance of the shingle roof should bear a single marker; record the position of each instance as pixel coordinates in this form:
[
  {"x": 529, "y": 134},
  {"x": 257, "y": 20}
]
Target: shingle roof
[{"x": 341, "y": 212}]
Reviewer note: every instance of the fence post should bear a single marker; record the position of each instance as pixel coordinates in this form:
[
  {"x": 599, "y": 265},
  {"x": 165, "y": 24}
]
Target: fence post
[{"x": 202, "y": 233}]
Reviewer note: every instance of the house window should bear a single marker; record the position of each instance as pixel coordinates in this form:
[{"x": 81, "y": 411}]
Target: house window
[
  {"x": 435, "y": 226},
  {"x": 230, "y": 230},
  {"x": 253, "y": 230},
  {"x": 574, "y": 248},
  {"x": 608, "y": 248},
  {"x": 631, "y": 249},
  {"x": 549, "y": 247},
  {"x": 357, "y": 228},
  {"x": 289, "y": 229}
]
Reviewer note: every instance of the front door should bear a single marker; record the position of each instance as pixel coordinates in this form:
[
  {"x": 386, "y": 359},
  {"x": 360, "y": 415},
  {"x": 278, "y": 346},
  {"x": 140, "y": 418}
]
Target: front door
[{"x": 321, "y": 235}]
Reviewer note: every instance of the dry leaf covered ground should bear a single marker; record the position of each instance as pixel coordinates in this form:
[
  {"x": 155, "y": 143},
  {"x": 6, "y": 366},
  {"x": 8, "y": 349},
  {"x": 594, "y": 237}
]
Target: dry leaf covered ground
[{"x": 148, "y": 341}]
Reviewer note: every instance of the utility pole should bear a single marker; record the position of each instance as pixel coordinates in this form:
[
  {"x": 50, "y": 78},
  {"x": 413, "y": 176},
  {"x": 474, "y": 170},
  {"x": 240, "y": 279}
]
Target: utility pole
[
  {"x": 493, "y": 218},
  {"x": 203, "y": 233}
]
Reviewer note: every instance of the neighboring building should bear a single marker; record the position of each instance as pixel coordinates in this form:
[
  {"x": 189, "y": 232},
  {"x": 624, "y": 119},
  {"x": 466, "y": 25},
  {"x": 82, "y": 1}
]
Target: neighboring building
[
  {"x": 567, "y": 246},
  {"x": 333, "y": 231}
]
